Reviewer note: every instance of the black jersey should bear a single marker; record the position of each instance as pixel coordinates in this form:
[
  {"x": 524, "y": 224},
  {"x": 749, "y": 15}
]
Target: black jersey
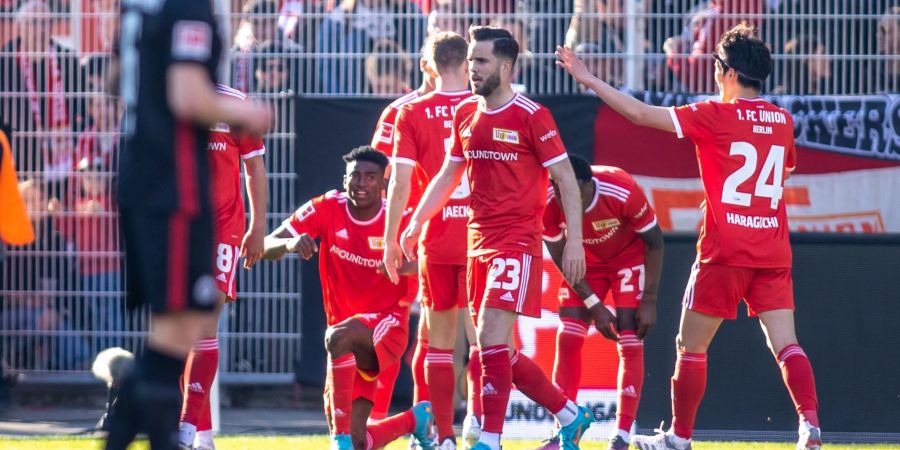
[{"x": 163, "y": 165}]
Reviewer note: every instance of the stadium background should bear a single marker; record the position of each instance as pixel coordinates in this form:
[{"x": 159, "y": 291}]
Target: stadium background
[{"x": 328, "y": 70}]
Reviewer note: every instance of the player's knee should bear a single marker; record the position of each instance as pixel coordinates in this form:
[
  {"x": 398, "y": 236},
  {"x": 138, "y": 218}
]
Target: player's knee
[
  {"x": 336, "y": 340},
  {"x": 679, "y": 343}
]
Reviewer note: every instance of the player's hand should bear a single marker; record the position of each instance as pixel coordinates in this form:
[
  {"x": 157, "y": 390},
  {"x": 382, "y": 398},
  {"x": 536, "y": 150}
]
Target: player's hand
[
  {"x": 568, "y": 61},
  {"x": 409, "y": 238},
  {"x": 392, "y": 261},
  {"x": 605, "y": 321},
  {"x": 253, "y": 247},
  {"x": 573, "y": 265},
  {"x": 303, "y": 245},
  {"x": 646, "y": 315}
]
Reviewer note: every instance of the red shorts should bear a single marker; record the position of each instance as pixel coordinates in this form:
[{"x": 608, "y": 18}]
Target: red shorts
[
  {"x": 716, "y": 290},
  {"x": 227, "y": 260},
  {"x": 625, "y": 284},
  {"x": 389, "y": 336},
  {"x": 510, "y": 281},
  {"x": 443, "y": 286}
]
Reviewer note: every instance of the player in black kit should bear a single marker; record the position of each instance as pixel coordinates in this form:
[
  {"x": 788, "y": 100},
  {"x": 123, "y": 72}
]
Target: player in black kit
[{"x": 167, "y": 58}]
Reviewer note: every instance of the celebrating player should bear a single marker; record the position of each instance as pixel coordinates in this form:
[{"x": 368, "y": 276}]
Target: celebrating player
[
  {"x": 624, "y": 249},
  {"x": 367, "y": 318},
  {"x": 167, "y": 55},
  {"x": 383, "y": 141},
  {"x": 226, "y": 149},
  {"x": 506, "y": 143},
  {"x": 421, "y": 141},
  {"x": 745, "y": 149}
]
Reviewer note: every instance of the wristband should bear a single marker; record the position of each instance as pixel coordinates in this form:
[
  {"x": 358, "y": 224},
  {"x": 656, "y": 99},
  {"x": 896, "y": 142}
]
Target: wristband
[{"x": 591, "y": 301}]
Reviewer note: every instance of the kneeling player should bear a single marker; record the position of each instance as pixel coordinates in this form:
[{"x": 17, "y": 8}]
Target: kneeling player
[
  {"x": 623, "y": 246},
  {"x": 367, "y": 319}
]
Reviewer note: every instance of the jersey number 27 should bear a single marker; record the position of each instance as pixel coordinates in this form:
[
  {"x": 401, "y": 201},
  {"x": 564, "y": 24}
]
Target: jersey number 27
[{"x": 773, "y": 168}]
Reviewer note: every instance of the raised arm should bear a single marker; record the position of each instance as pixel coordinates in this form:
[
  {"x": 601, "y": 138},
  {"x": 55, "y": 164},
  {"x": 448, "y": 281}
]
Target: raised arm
[{"x": 633, "y": 109}]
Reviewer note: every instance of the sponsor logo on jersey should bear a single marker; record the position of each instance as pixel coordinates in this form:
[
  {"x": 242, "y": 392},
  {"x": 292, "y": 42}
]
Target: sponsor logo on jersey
[
  {"x": 216, "y": 146},
  {"x": 376, "y": 242},
  {"x": 221, "y": 277},
  {"x": 507, "y": 297},
  {"x": 191, "y": 39},
  {"x": 386, "y": 133},
  {"x": 597, "y": 241},
  {"x": 600, "y": 225},
  {"x": 488, "y": 389},
  {"x": 305, "y": 211},
  {"x": 509, "y": 136},
  {"x": 354, "y": 258},
  {"x": 493, "y": 155},
  {"x": 455, "y": 212},
  {"x": 342, "y": 233},
  {"x": 642, "y": 211},
  {"x": 548, "y": 136}
]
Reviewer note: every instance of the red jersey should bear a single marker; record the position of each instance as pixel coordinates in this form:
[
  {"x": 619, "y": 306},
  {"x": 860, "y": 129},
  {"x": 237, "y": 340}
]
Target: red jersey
[
  {"x": 745, "y": 150},
  {"x": 507, "y": 151},
  {"x": 349, "y": 254},
  {"x": 611, "y": 223},
  {"x": 422, "y": 140},
  {"x": 383, "y": 141},
  {"x": 226, "y": 151}
]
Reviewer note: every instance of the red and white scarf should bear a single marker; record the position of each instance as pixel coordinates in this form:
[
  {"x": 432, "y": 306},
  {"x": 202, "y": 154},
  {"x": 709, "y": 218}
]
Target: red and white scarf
[{"x": 57, "y": 147}]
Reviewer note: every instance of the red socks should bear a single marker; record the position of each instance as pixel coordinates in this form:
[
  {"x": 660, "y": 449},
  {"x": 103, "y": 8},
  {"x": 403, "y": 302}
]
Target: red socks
[
  {"x": 474, "y": 370},
  {"x": 530, "y": 379},
  {"x": 384, "y": 391},
  {"x": 385, "y": 431},
  {"x": 199, "y": 373},
  {"x": 420, "y": 386},
  {"x": 799, "y": 379},
  {"x": 496, "y": 378},
  {"x": 441, "y": 387},
  {"x": 688, "y": 386},
  {"x": 342, "y": 372},
  {"x": 631, "y": 378},
  {"x": 567, "y": 366}
]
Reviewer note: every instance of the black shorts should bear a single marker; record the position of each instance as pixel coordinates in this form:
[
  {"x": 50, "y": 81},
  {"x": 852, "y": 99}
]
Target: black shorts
[{"x": 169, "y": 260}]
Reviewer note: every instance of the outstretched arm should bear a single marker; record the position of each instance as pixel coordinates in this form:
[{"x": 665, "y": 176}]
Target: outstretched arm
[{"x": 633, "y": 109}]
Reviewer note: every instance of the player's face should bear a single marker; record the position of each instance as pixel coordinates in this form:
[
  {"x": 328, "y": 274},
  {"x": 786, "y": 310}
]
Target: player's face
[
  {"x": 364, "y": 182},
  {"x": 484, "y": 68}
]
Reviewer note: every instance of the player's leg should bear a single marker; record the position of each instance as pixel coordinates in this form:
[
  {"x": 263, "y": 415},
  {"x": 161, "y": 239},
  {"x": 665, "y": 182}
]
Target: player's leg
[
  {"x": 387, "y": 378},
  {"x": 420, "y": 384},
  {"x": 199, "y": 372},
  {"x": 494, "y": 330},
  {"x": 471, "y": 429},
  {"x": 626, "y": 292},
  {"x": 347, "y": 343},
  {"x": 771, "y": 298},
  {"x": 574, "y": 322}
]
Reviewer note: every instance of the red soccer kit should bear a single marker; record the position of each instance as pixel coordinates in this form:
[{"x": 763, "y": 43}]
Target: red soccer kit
[
  {"x": 614, "y": 251},
  {"x": 745, "y": 150},
  {"x": 226, "y": 151},
  {"x": 422, "y": 138},
  {"x": 507, "y": 151},
  {"x": 383, "y": 141},
  {"x": 349, "y": 254}
]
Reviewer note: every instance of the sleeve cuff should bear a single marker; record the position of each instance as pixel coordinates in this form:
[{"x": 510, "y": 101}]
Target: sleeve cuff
[
  {"x": 556, "y": 238},
  {"x": 406, "y": 161},
  {"x": 254, "y": 153},
  {"x": 555, "y": 159},
  {"x": 675, "y": 122},
  {"x": 790, "y": 169},
  {"x": 647, "y": 227},
  {"x": 290, "y": 228},
  {"x": 457, "y": 158}
]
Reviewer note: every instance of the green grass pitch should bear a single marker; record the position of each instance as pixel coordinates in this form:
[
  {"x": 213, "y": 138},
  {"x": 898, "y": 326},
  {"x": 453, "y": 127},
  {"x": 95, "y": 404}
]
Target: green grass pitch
[{"x": 321, "y": 443}]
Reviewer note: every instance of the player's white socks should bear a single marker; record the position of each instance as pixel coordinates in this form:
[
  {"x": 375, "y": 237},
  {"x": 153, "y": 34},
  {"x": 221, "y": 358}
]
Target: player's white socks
[
  {"x": 204, "y": 439},
  {"x": 491, "y": 439},
  {"x": 626, "y": 436},
  {"x": 568, "y": 414},
  {"x": 186, "y": 434},
  {"x": 679, "y": 441}
]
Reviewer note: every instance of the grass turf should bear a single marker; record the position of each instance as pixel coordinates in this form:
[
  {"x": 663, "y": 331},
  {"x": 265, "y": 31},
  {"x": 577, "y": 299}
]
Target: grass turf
[{"x": 321, "y": 443}]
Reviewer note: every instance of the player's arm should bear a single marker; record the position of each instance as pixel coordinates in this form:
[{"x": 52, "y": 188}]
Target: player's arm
[
  {"x": 192, "y": 96},
  {"x": 573, "y": 265},
  {"x": 653, "y": 260},
  {"x": 603, "y": 319},
  {"x": 252, "y": 246},
  {"x": 398, "y": 196},
  {"x": 281, "y": 242},
  {"x": 439, "y": 191},
  {"x": 633, "y": 109}
]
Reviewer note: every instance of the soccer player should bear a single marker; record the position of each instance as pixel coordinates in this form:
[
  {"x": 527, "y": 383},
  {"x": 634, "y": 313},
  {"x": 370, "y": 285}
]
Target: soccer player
[
  {"x": 421, "y": 142},
  {"x": 745, "y": 149},
  {"x": 506, "y": 143},
  {"x": 227, "y": 148},
  {"x": 624, "y": 248},
  {"x": 383, "y": 141},
  {"x": 168, "y": 56},
  {"x": 367, "y": 318}
]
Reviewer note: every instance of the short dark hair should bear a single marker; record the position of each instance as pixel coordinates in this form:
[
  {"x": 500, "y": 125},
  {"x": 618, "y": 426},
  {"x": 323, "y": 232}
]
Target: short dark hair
[
  {"x": 582, "y": 168},
  {"x": 448, "y": 49},
  {"x": 742, "y": 50},
  {"x": 505, "y": 46},
  {"x": 367, "y": 153}
]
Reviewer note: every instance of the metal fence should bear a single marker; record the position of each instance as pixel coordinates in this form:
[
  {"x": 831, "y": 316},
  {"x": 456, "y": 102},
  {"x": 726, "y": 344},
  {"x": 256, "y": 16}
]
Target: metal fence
[{"x": 62, "y": 299}]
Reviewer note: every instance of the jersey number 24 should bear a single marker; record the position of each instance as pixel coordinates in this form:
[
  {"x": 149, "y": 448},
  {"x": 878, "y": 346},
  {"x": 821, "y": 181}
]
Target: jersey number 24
[{"x": 773, "y": 168}]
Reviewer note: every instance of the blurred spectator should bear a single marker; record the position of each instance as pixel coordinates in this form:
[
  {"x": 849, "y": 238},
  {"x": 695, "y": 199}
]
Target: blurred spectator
[
  {"x": 258, "y": 27},
  {"x": 93, "y": 69},
  {"x": 532, "y": 75},
  {"x": 602, "y": 65},
  {"x": 35, "y": 281},
  {"x": 888, "y": 47},
  {"x": 688, "y": 55},
  {"x": 108, "y": 11},
  {"x": 449, "y": 15},
  {"x": 388, "y": 69},
  {"x": 272, "y": 72},
  {"x": 806, "y": 69},
  {"x": 39, "y": 73},
  {"x": 100, "y": 137}
]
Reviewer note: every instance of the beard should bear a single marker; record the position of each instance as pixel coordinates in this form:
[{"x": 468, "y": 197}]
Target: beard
[{"x": 488, "y": 85}]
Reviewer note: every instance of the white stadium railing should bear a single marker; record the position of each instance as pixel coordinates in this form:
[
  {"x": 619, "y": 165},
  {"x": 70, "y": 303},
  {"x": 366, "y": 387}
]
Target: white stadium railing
[{"x": 63, "y": 300}]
